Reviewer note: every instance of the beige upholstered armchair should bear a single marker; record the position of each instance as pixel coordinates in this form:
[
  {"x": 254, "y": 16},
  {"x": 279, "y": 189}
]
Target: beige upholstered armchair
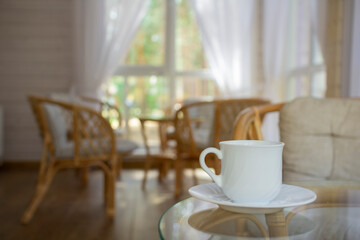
[
  {"x": 74, "y": 137},
  {"x": 321, "y": 136}
]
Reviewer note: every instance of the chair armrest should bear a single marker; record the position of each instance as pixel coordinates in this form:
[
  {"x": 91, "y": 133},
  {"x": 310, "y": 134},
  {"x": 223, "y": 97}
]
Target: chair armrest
[
  {"x": 248, "y": 122},
  {"x": 93, "y": 134}
]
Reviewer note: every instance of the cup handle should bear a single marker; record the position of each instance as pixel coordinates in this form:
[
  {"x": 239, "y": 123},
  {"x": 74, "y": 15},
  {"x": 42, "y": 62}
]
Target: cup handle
[{"x": 217, "y": 152}]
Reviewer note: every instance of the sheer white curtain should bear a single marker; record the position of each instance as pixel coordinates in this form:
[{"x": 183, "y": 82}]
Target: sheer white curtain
[
  {"x": 227, "y": 28},
  {"x": 287, "y": 31},
  {"x": 275, "y": 42},
  {"x": 228, "y": 31},
  {"x": 103, "y": 32},
  {"x": 318, "y": 16},
  {"x": 275, "y": 39},
  {"x": 354, "y": 81}
]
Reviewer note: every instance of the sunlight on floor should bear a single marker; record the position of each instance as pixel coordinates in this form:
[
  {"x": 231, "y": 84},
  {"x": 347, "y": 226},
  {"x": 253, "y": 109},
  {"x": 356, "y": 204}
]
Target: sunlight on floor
[
  {"x": 156, "y": 199},
  {"x": 166, "y": 186},
  {"x": 200, "y": 174},
  {"x": 139, "y": 175}
]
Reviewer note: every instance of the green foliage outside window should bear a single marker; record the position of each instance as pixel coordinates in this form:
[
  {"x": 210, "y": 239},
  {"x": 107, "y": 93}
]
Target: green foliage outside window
[
  {"x": 149, "y": 42},
  {"x": 189, "y": 50},
  {"x": 149, "y": 95}
]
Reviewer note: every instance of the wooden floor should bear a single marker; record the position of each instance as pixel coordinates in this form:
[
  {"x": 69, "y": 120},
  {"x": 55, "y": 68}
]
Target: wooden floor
[{"x": 71, "y": 210}]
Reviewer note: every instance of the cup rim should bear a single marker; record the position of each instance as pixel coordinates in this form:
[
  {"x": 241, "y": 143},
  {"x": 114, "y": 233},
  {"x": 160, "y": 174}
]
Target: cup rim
[{"x": 253, "y": 143}]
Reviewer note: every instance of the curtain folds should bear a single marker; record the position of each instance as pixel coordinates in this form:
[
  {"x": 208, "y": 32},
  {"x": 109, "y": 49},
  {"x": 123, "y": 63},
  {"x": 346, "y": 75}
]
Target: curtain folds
[
  {"x": 226, "y": 29},
  {"x": 318, "y": 17},
  {"x": 275, "y": 43},
  {"x": 103, "y": 33},
  {"x": 287, "y": 30},
  {"x": 353, "y": 84}
]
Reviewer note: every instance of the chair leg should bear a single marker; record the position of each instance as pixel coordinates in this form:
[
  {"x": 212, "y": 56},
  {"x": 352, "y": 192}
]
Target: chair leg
[
  {"x": 77, "y": 172},
  {"x": 106, "y": 188},
  {"x": 193, "y": 165},
  {"x": 276, "y": 224},
  {"x": 178, "y": 177},
  {"x": 119, "y": 166},
  {"x": 85, "y": 176},
  {"x": 41, "y": 189},
  {"x": 109, "y": 187},
  {"x": 217, "y": 167},
  {"x": 147, "y": 166},
  {"x": 165, "y": 168},
  {"x": 160, "y": 171},
  {"x": 110, "y": 204}
]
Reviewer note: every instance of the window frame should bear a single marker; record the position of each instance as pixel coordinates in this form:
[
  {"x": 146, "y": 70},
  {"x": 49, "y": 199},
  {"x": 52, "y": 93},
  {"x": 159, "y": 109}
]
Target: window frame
[
  {"x": 308, "y": 71},
  {"x": 168, "y": 67}
]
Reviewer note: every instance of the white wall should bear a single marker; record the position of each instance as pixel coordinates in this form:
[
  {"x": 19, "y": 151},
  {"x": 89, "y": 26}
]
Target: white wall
[{"x": 35, "y": 58}]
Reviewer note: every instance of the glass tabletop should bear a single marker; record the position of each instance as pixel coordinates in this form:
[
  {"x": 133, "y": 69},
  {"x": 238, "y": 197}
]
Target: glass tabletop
[{"x": 334, "y": 215}]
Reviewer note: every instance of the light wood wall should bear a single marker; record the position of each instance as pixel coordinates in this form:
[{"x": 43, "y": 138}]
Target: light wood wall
[
  {"x": 334, "y": 47},
  {"x": 35, "y": 57}
]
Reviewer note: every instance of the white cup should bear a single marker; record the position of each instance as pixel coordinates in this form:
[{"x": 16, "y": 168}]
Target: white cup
[{"x": 251, "y": 170}]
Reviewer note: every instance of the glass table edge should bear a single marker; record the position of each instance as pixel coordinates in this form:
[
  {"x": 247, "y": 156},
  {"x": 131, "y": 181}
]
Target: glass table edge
[{"x": 162, "y": 215}]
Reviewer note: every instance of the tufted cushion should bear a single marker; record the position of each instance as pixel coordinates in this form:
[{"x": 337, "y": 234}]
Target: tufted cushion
[
  {"x": 203, "y": 131},
  {"x": 58, "y": 126},
  {"x": 322, "y": 139}
]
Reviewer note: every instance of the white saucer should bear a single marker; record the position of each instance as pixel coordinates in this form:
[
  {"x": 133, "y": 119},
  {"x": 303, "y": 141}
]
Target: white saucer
[{"x": 289, "y": 196}]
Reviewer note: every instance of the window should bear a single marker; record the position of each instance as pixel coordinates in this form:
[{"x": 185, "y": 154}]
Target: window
[
  {"x": 149, "y": 44},
  {"x": 307, "y": 76},
  {"x": 165, "y": 64}
]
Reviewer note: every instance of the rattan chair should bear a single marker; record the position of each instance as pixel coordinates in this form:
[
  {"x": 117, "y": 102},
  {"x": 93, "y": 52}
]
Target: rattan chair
[
  {"x": 110, "y": 112},
  {"x": 162, "y": 155},
  {"x": 204, "y": 124},
  {"x": 74, "y": 137}
]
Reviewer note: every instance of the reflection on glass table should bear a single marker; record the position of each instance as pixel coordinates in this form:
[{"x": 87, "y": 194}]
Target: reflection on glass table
[{"x": 334, "y": 215}]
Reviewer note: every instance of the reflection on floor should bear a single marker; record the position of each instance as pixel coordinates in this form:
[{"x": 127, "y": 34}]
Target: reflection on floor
[{"x": 73, "y": 211}]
